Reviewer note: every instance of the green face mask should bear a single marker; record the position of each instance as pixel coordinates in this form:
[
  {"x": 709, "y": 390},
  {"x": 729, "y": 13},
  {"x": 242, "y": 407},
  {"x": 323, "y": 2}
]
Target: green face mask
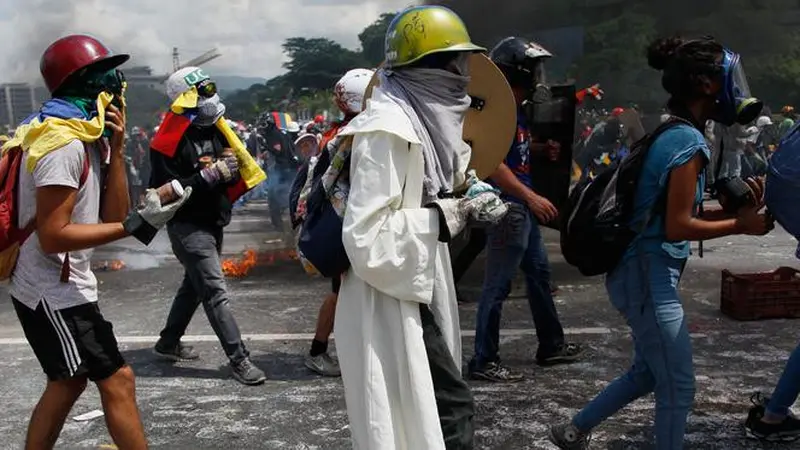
[{"x": 84, "y": 91}]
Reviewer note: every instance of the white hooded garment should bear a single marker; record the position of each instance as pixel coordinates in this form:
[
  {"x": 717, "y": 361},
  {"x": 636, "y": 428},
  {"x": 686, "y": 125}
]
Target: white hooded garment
[{"x": 397, "y": 263}]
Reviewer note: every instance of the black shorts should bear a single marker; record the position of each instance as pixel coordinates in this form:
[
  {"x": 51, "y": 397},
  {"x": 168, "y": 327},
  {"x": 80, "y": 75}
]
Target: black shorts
[
  {"x": 336, "y": 283},
  {"x": 71, "y": 343}
]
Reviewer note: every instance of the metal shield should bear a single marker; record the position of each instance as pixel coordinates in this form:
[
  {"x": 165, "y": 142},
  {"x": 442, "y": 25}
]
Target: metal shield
[
  {"x": 553, "y": 120},
  {"x": 491, "y": 122}
]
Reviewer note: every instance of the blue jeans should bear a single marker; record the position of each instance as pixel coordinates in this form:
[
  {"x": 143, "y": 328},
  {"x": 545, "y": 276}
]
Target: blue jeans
[
  {"x": 644, "y": 290},
  {"x": 516, "y": 242},
  {"x": 788, "y": 387}
]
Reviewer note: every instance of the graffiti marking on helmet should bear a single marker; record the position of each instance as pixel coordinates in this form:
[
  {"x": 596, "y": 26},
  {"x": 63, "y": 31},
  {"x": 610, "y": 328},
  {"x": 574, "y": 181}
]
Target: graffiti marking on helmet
[{"x": 415, "y": 29}]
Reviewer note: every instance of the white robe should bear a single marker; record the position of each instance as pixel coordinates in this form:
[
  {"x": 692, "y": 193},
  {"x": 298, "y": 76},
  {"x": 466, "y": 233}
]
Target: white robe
[{"x": 397, "y": 263}]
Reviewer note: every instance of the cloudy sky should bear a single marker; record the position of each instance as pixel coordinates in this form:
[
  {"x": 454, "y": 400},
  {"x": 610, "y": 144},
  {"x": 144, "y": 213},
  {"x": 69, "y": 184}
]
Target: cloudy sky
[{"x": 248, "y": 33}]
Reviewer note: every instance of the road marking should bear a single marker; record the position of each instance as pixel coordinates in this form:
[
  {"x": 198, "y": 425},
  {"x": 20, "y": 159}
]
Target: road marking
[{"x": 308, "y": 336}]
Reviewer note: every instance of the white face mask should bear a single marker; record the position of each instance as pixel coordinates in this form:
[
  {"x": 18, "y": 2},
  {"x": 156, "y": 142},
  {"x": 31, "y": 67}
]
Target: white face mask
[{"x": 209, "y": 110}]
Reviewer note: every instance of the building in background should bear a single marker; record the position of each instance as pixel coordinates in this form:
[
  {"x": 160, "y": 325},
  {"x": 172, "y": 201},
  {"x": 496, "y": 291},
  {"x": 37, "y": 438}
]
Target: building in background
[{"x": 18, "y": 101}]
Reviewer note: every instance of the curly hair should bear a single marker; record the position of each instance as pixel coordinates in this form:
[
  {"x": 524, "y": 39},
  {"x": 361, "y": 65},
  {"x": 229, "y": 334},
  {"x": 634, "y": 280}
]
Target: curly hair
[{"x": 682, "y": 62}]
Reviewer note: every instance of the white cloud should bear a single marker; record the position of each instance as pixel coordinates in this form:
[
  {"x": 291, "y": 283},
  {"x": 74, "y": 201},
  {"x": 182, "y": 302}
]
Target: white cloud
[{"x": 249, "y": 33}]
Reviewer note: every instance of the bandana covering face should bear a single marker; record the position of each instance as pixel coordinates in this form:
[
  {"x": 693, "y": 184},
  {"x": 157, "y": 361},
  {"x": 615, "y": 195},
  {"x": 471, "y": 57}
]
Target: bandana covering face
[{"x": 436, "y": 101}]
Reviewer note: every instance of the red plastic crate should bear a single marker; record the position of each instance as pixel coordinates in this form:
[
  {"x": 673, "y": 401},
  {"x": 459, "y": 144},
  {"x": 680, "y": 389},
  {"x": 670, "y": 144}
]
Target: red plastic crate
[{"x": 754, "y": 296}]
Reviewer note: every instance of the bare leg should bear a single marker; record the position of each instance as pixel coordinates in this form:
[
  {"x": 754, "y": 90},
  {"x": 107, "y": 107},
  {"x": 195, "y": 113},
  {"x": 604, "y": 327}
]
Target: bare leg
[
  {"x": 118, "y": 395},
  {"x": 327, "y": 313},
  {"x": 50, "y": 413}
]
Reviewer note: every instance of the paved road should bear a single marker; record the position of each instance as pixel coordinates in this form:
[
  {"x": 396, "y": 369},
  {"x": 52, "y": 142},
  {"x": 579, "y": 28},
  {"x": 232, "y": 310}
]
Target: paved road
[{"x": 197, "y": 406}]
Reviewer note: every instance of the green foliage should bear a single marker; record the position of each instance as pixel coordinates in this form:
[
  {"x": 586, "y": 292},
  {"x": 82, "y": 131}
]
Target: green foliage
[
  {"x": 373, "y": 40},
  {"x": 314, "y": 65}
]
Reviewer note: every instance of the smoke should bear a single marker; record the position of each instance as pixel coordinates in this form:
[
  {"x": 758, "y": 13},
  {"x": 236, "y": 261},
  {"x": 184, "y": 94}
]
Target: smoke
[
  {"x": 249, "y": 33},
  {"x": 40, "y": 22}
]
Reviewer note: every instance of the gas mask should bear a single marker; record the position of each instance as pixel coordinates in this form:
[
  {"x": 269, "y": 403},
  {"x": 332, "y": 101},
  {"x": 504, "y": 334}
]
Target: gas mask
[
  {"x": 209, "y": 105},
  {"x": 734, "y": 103}
]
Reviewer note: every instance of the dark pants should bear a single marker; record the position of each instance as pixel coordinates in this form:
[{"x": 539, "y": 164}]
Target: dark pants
[
  {"x": 516, "y": 242},
  {"x": 198, "y": 250},
  {"x": 453, "y": 396}
]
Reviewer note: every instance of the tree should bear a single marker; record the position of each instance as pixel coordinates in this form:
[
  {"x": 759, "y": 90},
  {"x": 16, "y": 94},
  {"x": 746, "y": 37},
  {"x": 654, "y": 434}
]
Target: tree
[
  {"x": 317, "y": 63},
  {"x": 373, "y": 40}
]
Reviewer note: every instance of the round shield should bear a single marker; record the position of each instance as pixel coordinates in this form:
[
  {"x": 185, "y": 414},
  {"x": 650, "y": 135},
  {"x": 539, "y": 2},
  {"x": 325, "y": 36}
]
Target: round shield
[{"x": 491, "y": 122}]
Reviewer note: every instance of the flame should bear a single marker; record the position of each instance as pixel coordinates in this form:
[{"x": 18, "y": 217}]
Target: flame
[
  {"x": 239, "y": 268},
  {"x": 108, "y": 266}
]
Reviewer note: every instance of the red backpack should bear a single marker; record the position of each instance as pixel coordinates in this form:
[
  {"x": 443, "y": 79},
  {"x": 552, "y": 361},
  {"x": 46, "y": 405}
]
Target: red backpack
[{"x": 11, "y": 235}]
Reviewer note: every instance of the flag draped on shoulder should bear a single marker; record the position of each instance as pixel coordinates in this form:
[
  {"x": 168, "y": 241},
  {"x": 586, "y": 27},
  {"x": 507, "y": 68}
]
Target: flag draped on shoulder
[
  {"x": 56, "y": 124},
  {"x": 181, "y": 115}
]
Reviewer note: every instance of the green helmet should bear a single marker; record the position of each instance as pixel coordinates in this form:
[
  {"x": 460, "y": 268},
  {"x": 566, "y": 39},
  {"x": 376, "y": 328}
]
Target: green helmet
[{"x": 420, "y": 31}]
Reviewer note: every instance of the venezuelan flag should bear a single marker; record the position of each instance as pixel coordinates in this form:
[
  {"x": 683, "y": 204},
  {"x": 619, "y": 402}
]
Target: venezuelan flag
[
  {"x": 282, "y": 120},
  {"x": 57, "y": 123},
  {"x": 181, "y": 115}
]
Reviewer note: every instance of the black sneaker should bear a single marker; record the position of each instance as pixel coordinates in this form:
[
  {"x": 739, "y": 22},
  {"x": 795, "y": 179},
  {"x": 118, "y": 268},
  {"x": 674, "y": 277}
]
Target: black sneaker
[
  {"x": 246, "y": 372},
  {"x": 497, "y": 373},
  {"x": 786, "y": 431},
  {"x": 569, "y": 353},
  {"x": 177, "y": 352}
]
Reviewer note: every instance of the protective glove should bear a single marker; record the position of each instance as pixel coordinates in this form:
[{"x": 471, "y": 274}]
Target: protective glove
[
  {"x": 475, "y": 186},
  {"x": 455, "y": 213},
  {"x": 144, "y": 223},
  {"x": 222, "y": 171}
]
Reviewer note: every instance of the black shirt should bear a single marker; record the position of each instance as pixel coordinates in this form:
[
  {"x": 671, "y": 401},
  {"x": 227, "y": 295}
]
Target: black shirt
[{"x": 207, "y": 206}]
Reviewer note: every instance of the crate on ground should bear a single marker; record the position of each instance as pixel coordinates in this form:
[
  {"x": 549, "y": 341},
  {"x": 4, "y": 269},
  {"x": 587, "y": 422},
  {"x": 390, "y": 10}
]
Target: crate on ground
[{"x": 767, "y": 295}]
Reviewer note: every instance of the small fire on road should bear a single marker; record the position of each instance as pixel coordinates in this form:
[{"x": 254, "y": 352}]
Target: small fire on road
[
  {"x": 108, "y": 266},
  {"x": 240, "y": 267}
]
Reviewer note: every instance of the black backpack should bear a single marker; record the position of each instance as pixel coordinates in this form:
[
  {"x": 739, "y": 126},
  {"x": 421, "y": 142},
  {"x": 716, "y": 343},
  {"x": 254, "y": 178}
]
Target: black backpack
[{"x": 597, "y": 233}]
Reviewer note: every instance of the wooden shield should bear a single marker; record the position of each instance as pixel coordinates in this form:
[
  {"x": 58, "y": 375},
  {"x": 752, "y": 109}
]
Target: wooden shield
[{"x": 491, "y": 122}]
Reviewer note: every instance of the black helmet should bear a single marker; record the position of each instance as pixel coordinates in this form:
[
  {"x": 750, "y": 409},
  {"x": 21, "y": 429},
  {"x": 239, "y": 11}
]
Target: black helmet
[{"x": 521, "y": 60}]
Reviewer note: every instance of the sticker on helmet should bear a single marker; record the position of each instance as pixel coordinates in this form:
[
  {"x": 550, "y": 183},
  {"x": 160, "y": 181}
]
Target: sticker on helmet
[{"x": 195, "y": 77}]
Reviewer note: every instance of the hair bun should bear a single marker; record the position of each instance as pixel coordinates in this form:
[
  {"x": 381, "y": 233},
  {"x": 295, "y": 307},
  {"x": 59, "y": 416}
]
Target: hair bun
[{"x": 661, "y": 51}]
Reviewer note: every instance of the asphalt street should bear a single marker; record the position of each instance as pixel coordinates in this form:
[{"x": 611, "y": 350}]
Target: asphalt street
[{"x": 198, "y": 406}]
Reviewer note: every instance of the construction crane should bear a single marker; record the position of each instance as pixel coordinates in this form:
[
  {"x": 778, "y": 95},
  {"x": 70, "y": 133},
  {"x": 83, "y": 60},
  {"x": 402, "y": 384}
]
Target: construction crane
[
  {"x": 176, "y": 65},
  {"x": 200, "y": 60}
]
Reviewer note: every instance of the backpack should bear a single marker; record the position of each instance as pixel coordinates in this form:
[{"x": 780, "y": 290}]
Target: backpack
[
  {"x": 313, "y": 214},
  {"x": 12, "y": 236},
  {"x": 599, "y": 211}
]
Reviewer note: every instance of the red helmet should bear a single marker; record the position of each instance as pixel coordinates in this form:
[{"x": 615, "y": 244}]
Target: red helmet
[
  {"x": 319, "y": 119},
  {"x": 70, "y": 54},
  {"x": 617, "y": 111}
]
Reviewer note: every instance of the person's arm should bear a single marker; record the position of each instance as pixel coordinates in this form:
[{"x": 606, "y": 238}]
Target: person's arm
[
  {"x": 54, "y": 205},
  {"x": 716, "y": 214},
  {"x": 681, "y": 224},
  {"x": 116, "y": 201},
  {"x": 509, "y": 183},
  {"x": 164, "y": 170}
]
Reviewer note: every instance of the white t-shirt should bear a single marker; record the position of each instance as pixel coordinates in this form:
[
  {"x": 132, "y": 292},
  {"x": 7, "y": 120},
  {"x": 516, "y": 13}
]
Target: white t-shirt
[{"x": 37, "y": 275}]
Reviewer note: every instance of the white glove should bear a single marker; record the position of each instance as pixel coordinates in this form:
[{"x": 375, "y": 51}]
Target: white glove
[
  {"x": 454, "y": 213},
  {"x": 144, "y": 223},
  {"x": 487, "y": 208}
]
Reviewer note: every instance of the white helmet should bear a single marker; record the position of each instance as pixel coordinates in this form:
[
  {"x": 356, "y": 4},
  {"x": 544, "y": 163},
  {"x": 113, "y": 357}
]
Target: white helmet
[
  {"x": 293, "y": 127},
  {"x": 183, "y": 80},
  {"x": 763, "y": 121},
  {"x": 349, "y": 90}
]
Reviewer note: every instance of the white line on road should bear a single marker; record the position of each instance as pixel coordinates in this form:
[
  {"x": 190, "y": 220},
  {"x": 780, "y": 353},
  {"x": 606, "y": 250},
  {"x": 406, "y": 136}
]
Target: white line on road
[{"x": 308, "y": 336}]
